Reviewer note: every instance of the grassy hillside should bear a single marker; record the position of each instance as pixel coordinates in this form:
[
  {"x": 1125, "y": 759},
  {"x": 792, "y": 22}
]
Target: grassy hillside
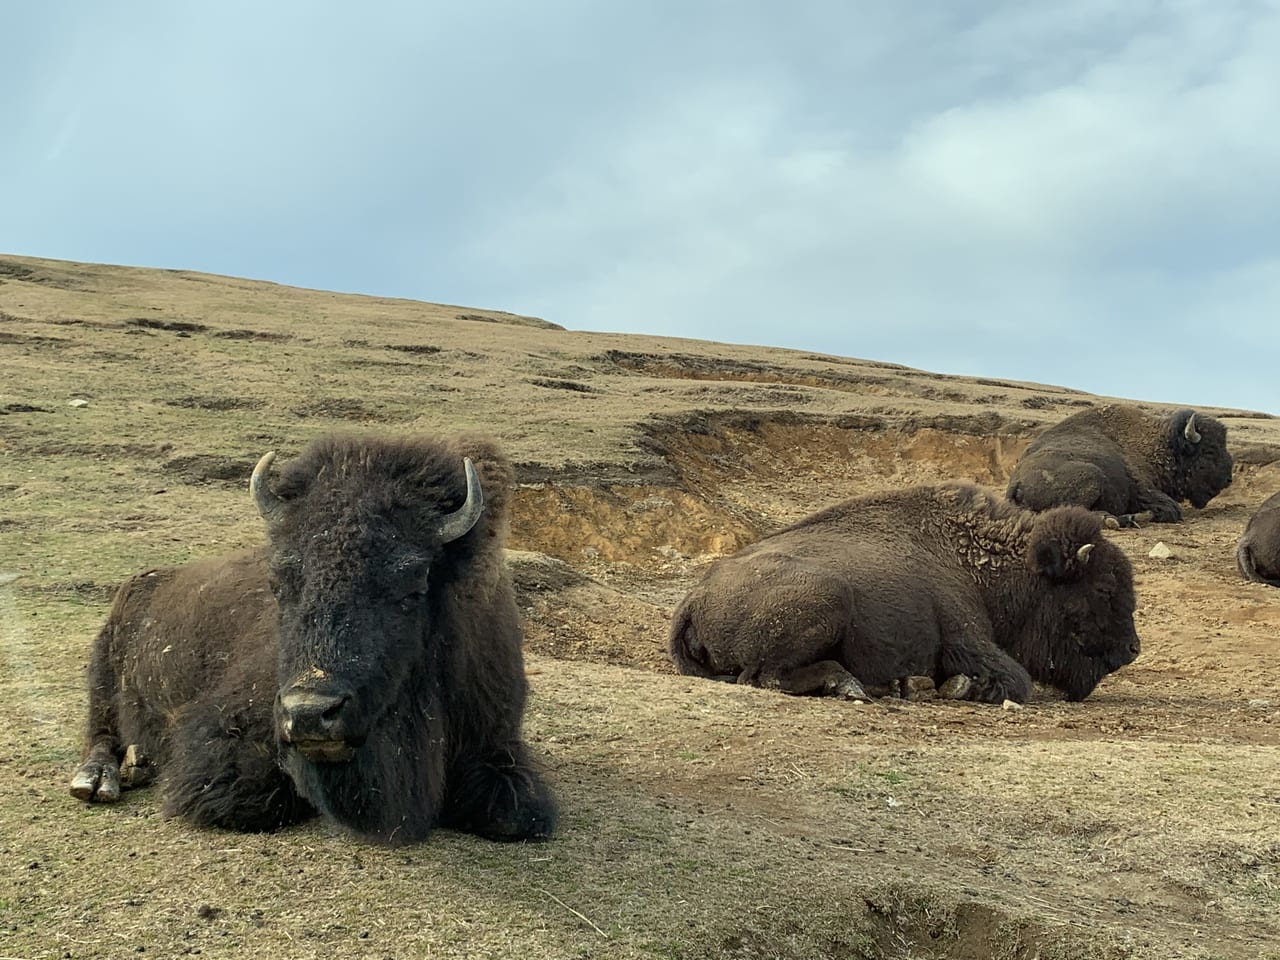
[{"x": 701, "y": 819}]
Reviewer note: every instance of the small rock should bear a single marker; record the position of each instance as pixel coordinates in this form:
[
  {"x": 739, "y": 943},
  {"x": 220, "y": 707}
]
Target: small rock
[
  {"x": 1011, "y": 705},
  {"x": 1260, "y": 704},
  {"x": 590, "y": 552},
  {"x": 1160, "y": 552},
  {"x": 207, "y": 911},
  {"x": 77, "y": 403}
]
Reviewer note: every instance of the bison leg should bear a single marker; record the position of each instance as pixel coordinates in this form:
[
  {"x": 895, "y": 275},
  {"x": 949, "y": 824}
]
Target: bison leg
[
  {"x": 223, "y": 772},
  {"x": 98, "y": 777},
  {"x": 995, "y": 676},
  {"x": 1162, "y": 507},
  {"x": 500, "y": 797},
  {"x": 827, "y": 678}
]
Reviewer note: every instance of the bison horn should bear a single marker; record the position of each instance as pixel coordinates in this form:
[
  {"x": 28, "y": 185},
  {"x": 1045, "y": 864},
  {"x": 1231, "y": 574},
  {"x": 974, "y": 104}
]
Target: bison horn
[
  {"x": 1190, "y": 431},
  {"x": 269, "y": 505},
  {"x": 1082, "y": 555},
  {"x": 459, "y": 523}
]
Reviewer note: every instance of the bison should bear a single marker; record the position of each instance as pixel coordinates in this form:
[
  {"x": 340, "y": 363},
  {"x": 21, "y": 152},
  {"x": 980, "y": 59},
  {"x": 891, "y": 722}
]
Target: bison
[
  {"x": 1258, "y": 553},
  {"x": 1123, "y": 462},
  {"x": 365, "y": 663},
  {"x": 944, "y": 581}
]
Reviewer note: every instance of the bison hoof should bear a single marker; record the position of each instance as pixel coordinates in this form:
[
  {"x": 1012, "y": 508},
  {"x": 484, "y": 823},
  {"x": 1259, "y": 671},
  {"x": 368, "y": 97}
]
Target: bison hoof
[
  {"x": 136, "y": 770},
  {"x": 97, "y": 780},
  {"x": 848, "y": 689},
  {"x": 1111, "y": 523},
  {"x": 956, "y": 688},
  {"x": 918, "y": 688}
]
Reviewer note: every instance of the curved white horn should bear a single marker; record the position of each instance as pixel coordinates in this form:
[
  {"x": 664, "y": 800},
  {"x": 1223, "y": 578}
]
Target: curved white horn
[
  {"x": 1082, "y": 554},
  {"x": 459, "y": 523},
  {"x": 1190, "y": 431},
  {"x": 269, "y": 505}
]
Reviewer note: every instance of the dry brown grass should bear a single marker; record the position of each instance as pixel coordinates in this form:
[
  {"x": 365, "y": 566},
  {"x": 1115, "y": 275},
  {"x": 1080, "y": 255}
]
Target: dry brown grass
[{"x": 701, "y": 820}]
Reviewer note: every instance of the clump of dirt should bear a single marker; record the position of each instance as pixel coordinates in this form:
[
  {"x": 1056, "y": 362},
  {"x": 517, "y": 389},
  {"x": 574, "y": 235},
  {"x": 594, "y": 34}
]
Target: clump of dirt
[
  {"x": 217, "y": 403},
  {"x": 512, "y": 318},
  {"x": 210, "y": 468},
  {"x": 31, "y": 338},
  {"x": 15, "y": 271},
  {"x": 344, "y": 408},
  {"x": 556, "y": 384},
  {"x": 422, "y": 349},
  {"x": 172, "y": 326},
  {"x": 265, "y": 336},
  {"x": 685, "y": 366}
]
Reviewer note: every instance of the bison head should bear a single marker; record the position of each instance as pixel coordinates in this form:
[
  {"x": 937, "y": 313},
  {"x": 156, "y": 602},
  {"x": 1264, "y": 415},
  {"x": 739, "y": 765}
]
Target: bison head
[
  {"x": 1080, "y": 626},
  {"x": 361, "y": 536},
  {"x": 1200, "y": 461}
]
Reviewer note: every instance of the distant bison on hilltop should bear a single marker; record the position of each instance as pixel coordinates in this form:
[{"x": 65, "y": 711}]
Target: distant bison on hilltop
[
  {"x": 366, "y": 663},
  {"x": 1124, "y": 462},
  {"x": 1258, "y": 553},
  {"x": 927, "y": 581}
]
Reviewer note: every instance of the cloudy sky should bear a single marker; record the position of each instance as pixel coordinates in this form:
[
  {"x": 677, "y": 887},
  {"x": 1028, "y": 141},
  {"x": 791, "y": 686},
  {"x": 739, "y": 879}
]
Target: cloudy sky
[{"x": 1080, "y": 192}]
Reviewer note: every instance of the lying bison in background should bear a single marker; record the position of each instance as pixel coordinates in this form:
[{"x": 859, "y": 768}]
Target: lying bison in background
[
  {"x": 1258, "y": 553},
  {"x": 928, "y": 581},
  {"x": 366, "y": 663},
  {"x": 1124, "y": 462}
]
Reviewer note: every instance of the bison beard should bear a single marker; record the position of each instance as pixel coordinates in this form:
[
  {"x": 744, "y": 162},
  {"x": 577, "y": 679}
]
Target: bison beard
[
  {"x": 365, "y": 664},
  {"x": 932, "y": 581}
]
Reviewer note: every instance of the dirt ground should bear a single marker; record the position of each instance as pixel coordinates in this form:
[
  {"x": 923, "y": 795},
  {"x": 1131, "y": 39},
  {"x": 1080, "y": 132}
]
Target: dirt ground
[{"x": 700, "y": 819}]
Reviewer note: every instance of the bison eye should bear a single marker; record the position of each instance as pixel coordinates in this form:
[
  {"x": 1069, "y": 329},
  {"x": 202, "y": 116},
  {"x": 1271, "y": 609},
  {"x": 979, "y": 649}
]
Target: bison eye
[{"x": 410, "y": 602}]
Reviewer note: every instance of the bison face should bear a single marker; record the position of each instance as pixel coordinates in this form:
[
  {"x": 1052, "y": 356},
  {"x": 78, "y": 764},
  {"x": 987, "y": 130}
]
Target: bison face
[
  {"x": 1081, "y": 626},
  {"x": 355, "y": 572},
  {"x": 1202, "y": 463},
  {"x": 347, "y": 644}
]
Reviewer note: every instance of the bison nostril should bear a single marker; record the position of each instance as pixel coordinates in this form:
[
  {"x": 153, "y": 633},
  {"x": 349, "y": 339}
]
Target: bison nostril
[{"x": 309, "y": 715}]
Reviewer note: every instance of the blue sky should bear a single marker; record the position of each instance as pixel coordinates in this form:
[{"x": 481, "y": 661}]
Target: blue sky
[{"x": 1084, "y": 193}]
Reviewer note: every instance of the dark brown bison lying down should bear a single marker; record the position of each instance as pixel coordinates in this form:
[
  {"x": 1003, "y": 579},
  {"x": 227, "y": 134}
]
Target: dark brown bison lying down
[
  {"x": 366, "y": 663},
  {"x": 928, "y": 581},
  {"x": 1124, "y": 462},
  {"x": 1258, "y": 552}
]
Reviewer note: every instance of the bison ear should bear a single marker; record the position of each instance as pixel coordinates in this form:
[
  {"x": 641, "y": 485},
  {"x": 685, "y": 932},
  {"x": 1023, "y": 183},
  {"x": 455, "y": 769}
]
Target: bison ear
[
  {"x": 1185, "y": 434},
  {"x": 1047, "y": 560},
  {"x": 1061, "y": 542}
]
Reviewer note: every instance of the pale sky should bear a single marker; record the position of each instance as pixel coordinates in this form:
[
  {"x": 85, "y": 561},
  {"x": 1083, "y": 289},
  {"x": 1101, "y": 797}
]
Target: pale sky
[{"x": 1077, "y": 192}]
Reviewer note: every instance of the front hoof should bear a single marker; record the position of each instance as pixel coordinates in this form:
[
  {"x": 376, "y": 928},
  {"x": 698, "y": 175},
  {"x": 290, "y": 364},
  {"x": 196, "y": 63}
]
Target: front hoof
[
  {"x": 958, "y": 687},
  {"x": 97, "y": 780},
  {"x": 848, "y": 688},
  {"x": 136, "y": 770}
]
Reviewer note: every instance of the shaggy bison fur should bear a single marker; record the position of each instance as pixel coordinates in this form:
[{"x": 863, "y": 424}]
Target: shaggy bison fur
[
  {"x": 927, "y": 581},
  {"x": 365, "y": 663},
  {"x": 1124, "y": 462},
  {"x": 1258, "y": 553}
]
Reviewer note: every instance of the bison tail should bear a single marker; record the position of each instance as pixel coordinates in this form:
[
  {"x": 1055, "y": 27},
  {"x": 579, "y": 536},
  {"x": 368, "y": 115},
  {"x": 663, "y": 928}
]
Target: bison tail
[
  {"x": 1248, "y": 566},
  {"x": 687, "y": 652}
]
